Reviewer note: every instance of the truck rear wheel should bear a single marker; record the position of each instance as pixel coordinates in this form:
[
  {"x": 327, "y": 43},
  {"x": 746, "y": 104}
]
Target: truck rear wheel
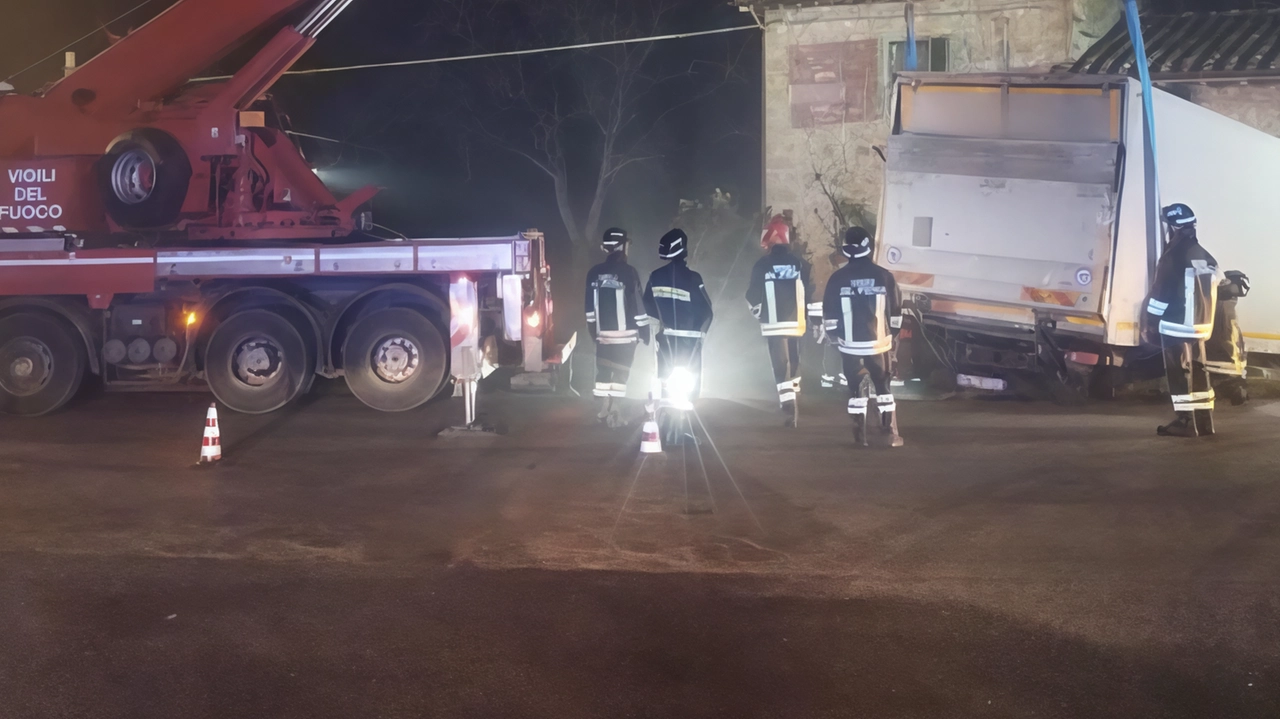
[
  {"x": 42, "y": 364},
  {"x": 394, "y": 360},
  {"x": 257, "y": 362}
]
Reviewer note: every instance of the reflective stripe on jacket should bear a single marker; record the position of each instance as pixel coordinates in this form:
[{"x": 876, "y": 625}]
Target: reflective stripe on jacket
[
  {"x": 779, "y": 292},
  {"x": 862, "y": 308}
]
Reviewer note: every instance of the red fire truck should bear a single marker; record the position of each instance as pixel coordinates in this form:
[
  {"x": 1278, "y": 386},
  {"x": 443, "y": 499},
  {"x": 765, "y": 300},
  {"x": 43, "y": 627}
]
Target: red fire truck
[{"x": 164, "y": 233}]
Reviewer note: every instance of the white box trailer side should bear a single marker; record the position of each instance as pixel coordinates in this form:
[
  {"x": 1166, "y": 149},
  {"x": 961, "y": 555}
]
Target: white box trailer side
[
  {"x": 1229, "y": 174},
  {"x": 1022, "y": 208}
]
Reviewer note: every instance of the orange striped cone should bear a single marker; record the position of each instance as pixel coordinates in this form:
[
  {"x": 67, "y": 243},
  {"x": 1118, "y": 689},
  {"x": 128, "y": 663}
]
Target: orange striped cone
[
  {"x": 211, "y": 448},
  {"x": 650, "y": 442}
]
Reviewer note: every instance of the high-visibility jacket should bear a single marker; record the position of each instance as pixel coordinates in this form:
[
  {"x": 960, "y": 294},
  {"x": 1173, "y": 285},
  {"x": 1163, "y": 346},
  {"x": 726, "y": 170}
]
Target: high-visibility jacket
[
  {"x": 862, "y": 308},
  {"x": 1184, "y": 294},
  {"x": 779, "y": 292},
  {"x": 677, "y": 299},
  {"x": 614, "y": 313}
]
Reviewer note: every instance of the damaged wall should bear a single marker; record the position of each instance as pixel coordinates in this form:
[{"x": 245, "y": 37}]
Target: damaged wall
[{"x": 827, "y": 70}]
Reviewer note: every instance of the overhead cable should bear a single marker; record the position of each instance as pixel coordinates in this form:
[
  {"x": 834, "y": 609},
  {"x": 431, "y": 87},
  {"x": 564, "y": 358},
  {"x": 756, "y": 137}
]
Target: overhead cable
[
  {"x": 73, "y": 43},
  {"x": 507, "y": 53}
]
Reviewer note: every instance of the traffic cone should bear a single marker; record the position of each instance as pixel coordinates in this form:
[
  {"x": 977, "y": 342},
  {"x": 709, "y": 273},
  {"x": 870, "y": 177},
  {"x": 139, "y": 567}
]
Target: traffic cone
[
  {"x": 650, "y": 443},
  {"x": 211, "y": 447}
]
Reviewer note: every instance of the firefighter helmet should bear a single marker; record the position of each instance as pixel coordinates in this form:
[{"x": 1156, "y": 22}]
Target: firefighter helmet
[
  {"x": 857, "y": 243},
  {"x": 1178, "y": 215},
  {"x": 777, "y": 232},
  {"x": 674, "y": 245},
  {"x": 614, "y": 239}
]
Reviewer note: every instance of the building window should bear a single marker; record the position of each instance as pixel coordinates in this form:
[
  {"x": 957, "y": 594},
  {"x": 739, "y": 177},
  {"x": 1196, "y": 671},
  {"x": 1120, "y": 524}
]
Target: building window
[{"x": 931, "y": 56}]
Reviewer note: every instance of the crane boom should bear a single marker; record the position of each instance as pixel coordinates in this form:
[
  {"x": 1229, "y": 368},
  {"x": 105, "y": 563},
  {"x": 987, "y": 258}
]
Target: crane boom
[
  {"x": 289, "y": 44},
  {"x": 156, "y": 59}
]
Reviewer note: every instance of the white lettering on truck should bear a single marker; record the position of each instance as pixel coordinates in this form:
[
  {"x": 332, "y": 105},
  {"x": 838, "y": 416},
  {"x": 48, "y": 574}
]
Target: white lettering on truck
[{"x": 35, "y": 202}]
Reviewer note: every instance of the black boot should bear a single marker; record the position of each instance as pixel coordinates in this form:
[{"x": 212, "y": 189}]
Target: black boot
[
  {"x": 1183, "y": 426},
  {"x": 790, "y": 413},
  {"x": 615, "y": 418},
  {"x": 1204, "y": 422},
  {"x": 889, "y": 436}
]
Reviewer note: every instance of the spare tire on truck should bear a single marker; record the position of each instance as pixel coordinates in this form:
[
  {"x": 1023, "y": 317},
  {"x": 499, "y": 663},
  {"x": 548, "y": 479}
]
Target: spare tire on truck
[
  {"x": 42, "y": 363},
  {"x": 144, "y": 178}
]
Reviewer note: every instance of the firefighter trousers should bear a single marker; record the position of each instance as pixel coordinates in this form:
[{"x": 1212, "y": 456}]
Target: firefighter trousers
[
  {"x": 1188, "y": 378},
  {"x": 613, "y": 368},
  {"x": 877, "y": 367},
  {"x": 784, "y": 352}
]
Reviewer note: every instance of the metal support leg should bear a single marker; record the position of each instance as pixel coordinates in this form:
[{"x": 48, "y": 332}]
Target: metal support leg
[
  {"x": 469, "y": 401},
  {"x": 467, "y": 356}
]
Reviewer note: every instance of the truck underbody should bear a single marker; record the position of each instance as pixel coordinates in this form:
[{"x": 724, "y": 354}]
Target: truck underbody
[{"x": 256, "y": 326}]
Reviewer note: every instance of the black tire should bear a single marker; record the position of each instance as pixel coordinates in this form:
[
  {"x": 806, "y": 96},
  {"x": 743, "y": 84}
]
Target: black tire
[
  {"x": 413, "y": 373},
  {"x": 42, "y": 364},
  {"x": 257, "y": 362},
  {"x": 1104, "y": 380},
  {"x": 144, "y": 178}
]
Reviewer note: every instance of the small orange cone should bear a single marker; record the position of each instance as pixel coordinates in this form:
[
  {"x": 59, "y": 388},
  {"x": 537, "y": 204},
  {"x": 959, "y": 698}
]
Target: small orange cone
[
  {"x": 650, "y": 442},
  {"x": 211, "y": 447}
]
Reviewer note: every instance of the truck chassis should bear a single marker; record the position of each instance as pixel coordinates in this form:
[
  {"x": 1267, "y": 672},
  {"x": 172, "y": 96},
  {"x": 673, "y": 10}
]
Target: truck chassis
[{"x": 257, "y": 325}]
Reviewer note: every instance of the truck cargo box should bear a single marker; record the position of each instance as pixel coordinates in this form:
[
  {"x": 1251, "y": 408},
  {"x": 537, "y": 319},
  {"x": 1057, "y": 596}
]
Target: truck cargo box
[{"x": 1024, "y": 207}]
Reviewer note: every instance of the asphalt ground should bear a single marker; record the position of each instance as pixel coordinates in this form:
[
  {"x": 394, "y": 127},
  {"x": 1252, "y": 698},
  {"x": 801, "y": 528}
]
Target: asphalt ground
[{"x": 1013, "y": 560}]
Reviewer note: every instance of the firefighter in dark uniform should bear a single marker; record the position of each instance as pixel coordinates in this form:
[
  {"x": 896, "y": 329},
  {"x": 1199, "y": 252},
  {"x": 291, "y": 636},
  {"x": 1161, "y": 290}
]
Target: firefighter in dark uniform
[
  {"x": 1181, "y": 309},
  {"x": 862, "y": 310},
  {"x": 677, "y": 303},
  {"x": 616, "y": 321},
  {"x": 779, "y": 294}
]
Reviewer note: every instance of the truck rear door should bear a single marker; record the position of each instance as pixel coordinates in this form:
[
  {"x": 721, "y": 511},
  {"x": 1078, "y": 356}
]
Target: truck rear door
[{"x": 1000, "y": 199}]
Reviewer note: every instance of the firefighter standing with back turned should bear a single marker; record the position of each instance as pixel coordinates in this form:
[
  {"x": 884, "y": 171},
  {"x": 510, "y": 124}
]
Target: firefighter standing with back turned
[
  {"x": 778, "y": 295},
  {"x": 1181, "y": 309},
  {"x": 676, "y": 299},
  {"x": 862, "y": 310},
  {"x": 616, "y": 322}
]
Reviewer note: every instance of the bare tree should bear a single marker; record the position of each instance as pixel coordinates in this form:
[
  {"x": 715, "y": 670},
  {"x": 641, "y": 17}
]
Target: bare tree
[
  {"x": 580, "y": 116},
  {"x": 837, "y": 170}
]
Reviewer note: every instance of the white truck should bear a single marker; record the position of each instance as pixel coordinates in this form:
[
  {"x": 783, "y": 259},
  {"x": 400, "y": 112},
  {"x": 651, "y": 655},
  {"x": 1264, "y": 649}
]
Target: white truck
[{"x": 1020, "y": 218}]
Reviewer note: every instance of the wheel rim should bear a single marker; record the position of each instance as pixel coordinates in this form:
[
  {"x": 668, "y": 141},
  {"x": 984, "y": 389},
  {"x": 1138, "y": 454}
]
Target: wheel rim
[
  {"x": 396, "y": 359},
  {"x": 257, "y": 361},
  {"x": 26, "y": 365},
  {"x": 133, "y": 177}
]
